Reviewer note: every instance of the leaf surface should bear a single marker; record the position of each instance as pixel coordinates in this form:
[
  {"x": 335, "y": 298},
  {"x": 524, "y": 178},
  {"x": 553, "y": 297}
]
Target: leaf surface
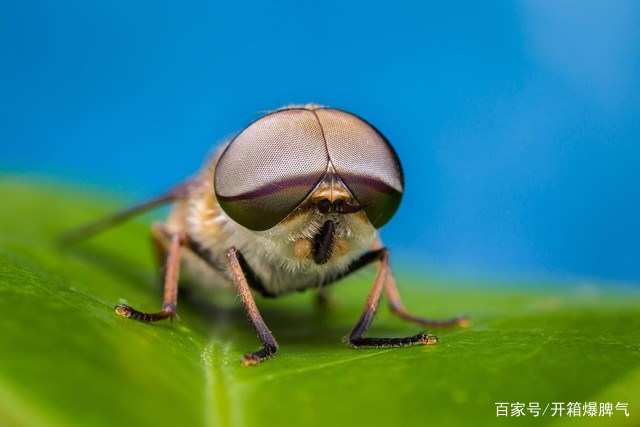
[{"x": 67, "y": 359}]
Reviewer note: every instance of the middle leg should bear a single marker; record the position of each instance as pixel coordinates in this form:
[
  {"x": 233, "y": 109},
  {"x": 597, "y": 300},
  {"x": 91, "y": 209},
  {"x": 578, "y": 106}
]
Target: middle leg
[
  {"x": 357, "y": 338},
  {"x": 391, "y": 291},
  {"x": 397, "y": 307}
]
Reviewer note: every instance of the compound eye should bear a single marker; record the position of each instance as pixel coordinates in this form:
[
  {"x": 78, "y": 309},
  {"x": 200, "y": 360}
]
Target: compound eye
[
  {"x": 365, "y": 161},
  {"x": 270, "y": 167}
]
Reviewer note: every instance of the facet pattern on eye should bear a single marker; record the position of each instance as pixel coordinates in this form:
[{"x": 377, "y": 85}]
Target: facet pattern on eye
[
  {"x": 270, "y": 167},
  {"x": 277, "y": 146},
  {"x": 365, "y": 162},
  {"x": 356, "y": 148}
]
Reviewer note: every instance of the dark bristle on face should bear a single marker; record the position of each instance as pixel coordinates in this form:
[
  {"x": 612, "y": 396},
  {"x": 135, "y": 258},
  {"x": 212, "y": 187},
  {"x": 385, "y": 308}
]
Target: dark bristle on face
[{"x": 323, "y": 242}]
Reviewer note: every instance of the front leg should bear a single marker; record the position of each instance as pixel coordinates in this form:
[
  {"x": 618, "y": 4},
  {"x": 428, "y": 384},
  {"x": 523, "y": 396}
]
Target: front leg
[
  {"x": 265, "y": 335},
  {"x": 356, "y": 337}
]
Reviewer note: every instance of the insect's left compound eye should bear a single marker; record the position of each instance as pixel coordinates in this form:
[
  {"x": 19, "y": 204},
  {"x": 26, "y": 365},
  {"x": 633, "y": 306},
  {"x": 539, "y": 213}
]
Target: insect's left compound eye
[
  {"x": 366, "y": 163},
  {"x": 270, "y": 167}
]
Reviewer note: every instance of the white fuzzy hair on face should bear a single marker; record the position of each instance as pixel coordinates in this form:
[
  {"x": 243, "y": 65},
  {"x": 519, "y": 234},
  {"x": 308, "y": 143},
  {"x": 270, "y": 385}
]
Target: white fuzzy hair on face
[{"x": 271, "y": 253}]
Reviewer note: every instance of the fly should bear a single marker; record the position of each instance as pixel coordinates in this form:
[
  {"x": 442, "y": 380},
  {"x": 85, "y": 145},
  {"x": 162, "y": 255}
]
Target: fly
[{"x": 294, "y": 201}]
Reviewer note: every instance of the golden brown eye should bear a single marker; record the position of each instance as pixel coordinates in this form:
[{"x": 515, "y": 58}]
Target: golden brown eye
[{"x": 269, "y": 169}]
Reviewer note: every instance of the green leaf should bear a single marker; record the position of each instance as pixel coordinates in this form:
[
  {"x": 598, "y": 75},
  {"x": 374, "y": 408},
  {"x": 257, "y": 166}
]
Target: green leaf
[{"x": 67, "y": 359}]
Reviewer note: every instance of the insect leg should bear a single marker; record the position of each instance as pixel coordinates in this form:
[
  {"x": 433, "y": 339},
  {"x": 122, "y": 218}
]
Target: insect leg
[
  {"x": 160, "y": 241},
  {"x": 170, "y": 287},
  {"x": 265, "y": 335},
  {"x": 391, "y": 292},
  {"x": 357, "y": 338},
  {"x": 397, "y": 308}
]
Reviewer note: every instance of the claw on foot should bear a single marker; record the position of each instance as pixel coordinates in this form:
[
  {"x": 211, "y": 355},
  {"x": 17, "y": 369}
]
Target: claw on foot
[
  {"x": 128, "y": 312},
  {"x": 250, "y": 360},
  {"x": 428, "y": 339},
  {"x": 123, "y": 310},
  {"x": 463, "y": 321}
]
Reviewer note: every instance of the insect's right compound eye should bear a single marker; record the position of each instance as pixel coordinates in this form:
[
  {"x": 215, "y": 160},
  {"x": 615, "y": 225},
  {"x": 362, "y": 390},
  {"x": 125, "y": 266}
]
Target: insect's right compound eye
[{"x": 270, "y": 167}]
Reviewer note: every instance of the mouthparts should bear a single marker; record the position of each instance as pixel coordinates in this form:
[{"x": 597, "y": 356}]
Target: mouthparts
[{"x": 323, "y": 242}]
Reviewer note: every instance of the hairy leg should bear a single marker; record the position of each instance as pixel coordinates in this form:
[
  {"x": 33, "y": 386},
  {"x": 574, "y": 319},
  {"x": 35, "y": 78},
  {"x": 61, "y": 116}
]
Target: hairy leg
[
  {"x": 270, "y": 346},
  {"x": 397, "y": 307},
  {"x": 160, "y": 242},
  {"x": 172, "y": 272},
  {"x": 357, "y": 338},
  {"x": 392, "y": 294}
]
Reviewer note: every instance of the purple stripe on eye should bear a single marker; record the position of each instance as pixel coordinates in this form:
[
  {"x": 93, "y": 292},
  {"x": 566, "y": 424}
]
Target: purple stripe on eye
[
  {"x": 310, "y": 181},
  {"x": 366, "y": 181},
  {"x": 306, "y": 181}
]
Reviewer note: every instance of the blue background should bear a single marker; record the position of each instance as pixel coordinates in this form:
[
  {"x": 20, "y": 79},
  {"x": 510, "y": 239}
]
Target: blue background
[{"x": 518, "y": 123}]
